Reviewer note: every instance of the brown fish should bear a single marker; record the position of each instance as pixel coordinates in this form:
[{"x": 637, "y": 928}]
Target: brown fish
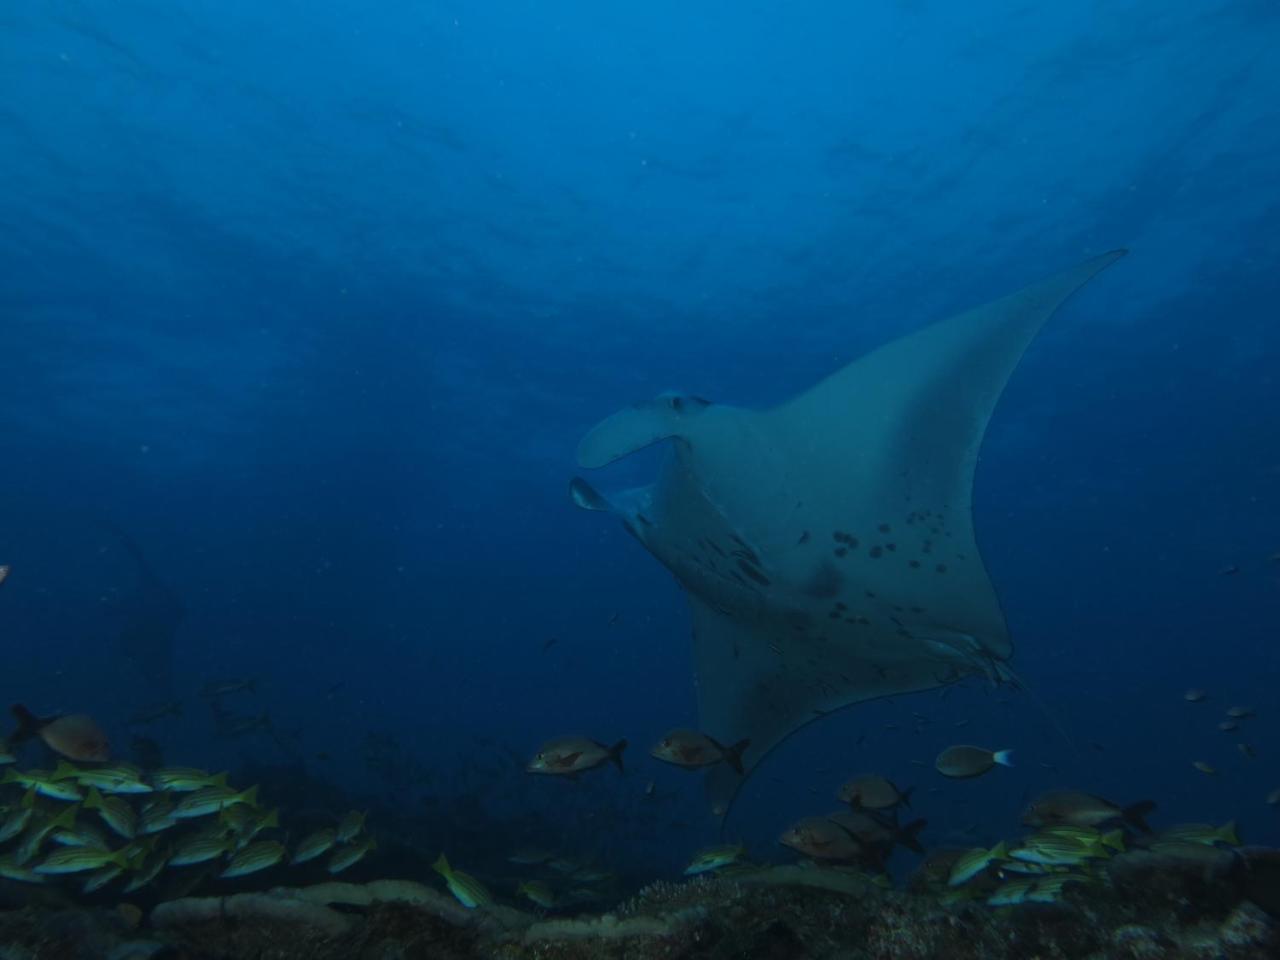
[
  {"x": 75, "y": 736},
  {"x": 4, "y": 572},
  {"x": 1072, "y": 808},
  {"x": 569, "y": 756},
  {"x": 964, "y": 761},
  {"x": 822, "y": 839},
  {"x": 878, "y": 832},
  {"x": 872, "y": 792},
  {"x": 691, "y": 749}
]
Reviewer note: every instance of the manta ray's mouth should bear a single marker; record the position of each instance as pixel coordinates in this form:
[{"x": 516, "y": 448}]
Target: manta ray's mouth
[{"x": 823, "y": 542}]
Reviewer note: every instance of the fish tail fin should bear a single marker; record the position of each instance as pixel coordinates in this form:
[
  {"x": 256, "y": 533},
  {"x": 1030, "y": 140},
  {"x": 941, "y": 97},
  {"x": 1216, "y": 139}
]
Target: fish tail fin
[
  {"x": 441, "y": 866},
  {"x": 1227, "y": 834},
  {"x": 28, "y": 724},
  {"x": 250, "y": 796},
  {"x": 615, "y": 754},
  {"x": 1113, "y": 839},
  {"x": 93, "y": 799},
  {"x": 271, "y": 820},
  {"x": 1136, "y": 815},
  {"x": 733, "y": 756},
  {"x": 909, "y": 836},
  {"x": 1003, "y": 757},
  {"x": 64, "y": 771},
  {"x": 218, "y": 781},
  {"x": 66, "y": 819},
  {"x": 1000, "y": 851}
]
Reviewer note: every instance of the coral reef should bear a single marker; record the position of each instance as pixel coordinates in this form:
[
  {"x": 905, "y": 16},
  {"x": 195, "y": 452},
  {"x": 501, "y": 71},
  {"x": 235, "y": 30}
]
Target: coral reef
[{"x": 775, "y": 913}]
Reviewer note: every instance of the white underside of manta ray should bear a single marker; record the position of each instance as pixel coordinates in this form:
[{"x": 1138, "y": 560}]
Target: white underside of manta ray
[{"x": 827, "y": 545}]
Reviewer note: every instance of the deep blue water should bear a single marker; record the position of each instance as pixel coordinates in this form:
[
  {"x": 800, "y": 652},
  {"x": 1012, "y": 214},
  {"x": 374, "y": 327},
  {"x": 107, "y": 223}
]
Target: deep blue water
[{"x": 315, "y": 300}]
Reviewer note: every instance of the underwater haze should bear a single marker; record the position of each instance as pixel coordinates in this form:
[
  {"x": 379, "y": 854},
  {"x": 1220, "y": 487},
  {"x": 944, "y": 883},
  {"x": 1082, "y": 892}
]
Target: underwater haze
[{"x": 307, "y": 307}]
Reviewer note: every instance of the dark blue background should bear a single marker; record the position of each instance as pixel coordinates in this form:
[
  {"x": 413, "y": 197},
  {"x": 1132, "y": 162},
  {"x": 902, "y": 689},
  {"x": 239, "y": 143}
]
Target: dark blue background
[{"x": 316, "y": 299}]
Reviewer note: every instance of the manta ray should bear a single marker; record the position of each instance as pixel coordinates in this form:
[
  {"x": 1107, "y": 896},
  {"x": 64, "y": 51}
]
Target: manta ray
[{"x": 826, "y": 545}]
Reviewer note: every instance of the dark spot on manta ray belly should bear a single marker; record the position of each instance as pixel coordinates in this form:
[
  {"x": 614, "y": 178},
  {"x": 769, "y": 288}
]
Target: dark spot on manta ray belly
[
  {"x": 804, "y": 538},
  {"x": 941, "y": 568},
  {"x": 876, "y": 552},
  {"x": 884, "y": 528}
]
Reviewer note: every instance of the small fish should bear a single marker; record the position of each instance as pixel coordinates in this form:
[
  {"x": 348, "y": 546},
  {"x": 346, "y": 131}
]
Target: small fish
[
  {"x": 1203, "y": 767},
  {"x": 246, "y": 822},
  {"x": 157, "y": 817},
  {"x": 19, "y": 817},
  {"x": 1240, "y": 713},
  {"x": 79, "y": 859},
  {"x": 172, "y": 708},
  {"x": 186, "y": 779},
  {"x": 201, "y": 848},
  {"x": 212, "y": 800},
  {"x": 4, "y": 572},
  {"x": 117, "y": 778},
  {"x": 215, "y": 689},
  {"x": 469, "y": 891},
  {"x": 152, "y": 864},
  {"x": 715, "y": 858},
  {"x": 10, "y": 870},
  {"x": 530, "y": 857},
  {"x": 1086, "y": 836},
  {"x": 1246, "y": 750},
  {"x": 314, "y": 845},
  {"x": 537, "y": 892},
  {"x": 1226, "y": 726},
  {"x": 962, "y": 762},
  {"x": 873, "y": 792},
  {"x": 350, "y": 855},
  {"x": 42, "y": 782},
  {"x": 1074, "y": 808},
  {"x": 100, "y": 878},
  {"x": 75, "y": 736},
  {"x": 349, "y": 826},
  {"x": 972, "y": 862},
  {"x": 1203, "y": 833},
  {"x": 692, "y": 750},
  {"x": 115, "y": 813},
  {"x": 1195, "y": 696},
  {"x": 256, "y": 856},
  {"x": 81, "y": 835},
  {"x": 569, "y": 756},
  {"x": 822, "y": 839}
]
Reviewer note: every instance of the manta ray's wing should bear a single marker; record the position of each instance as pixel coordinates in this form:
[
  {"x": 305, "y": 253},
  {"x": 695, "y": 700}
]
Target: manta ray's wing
[{"x": 827, "y": 545}]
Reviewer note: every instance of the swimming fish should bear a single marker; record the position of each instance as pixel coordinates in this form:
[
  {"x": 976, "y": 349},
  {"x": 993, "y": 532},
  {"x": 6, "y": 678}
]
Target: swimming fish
[
  {"x": 1204, "y": 833},
  {"x": 115, "y": 812},
  {"x": 569, "y": 756},
  {"x": 537, "y": 892},
  {"x": 972, "y": 862},
  {"x": 349, "y": 826},
  {"x": 201, "y": 848},
  {"x": 1194, "y": 696},
  {"x": 116, "y": 778},
  {"x": 822, "y": 839},
  {"x": 964, "y": 761},
  {"x": 1074, "y": 808},
  {"x": 74, "y": 735},
  {"x": 256, "y": 856},
  {"x": 215, "y": 689},
  {"x": 79, "y": 859},
  {"x": 212, "y": 800},
  {"x": 186, "y": 779},
  {"x": 43, "y": 783},
  {"x": 1203, "y": 767},
  {"x": 692, "y": 750},
  {"x": 469, "y": 891},
  {"x": 347, "y": 856},
  {"x": 873, "y": 792},
  {"x": 1240, "y": 713},
  {"x": 315, "y": 844},
  {"x": 715, "y": 858}
]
